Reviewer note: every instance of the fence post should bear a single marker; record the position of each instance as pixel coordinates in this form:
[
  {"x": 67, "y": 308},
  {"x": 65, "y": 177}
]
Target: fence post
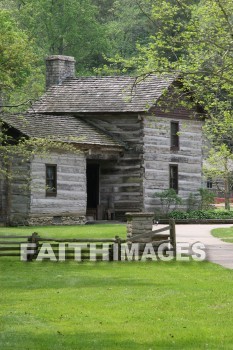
[
  {"x": 118, "y": 243},
  {"x": 33, "y": 239},
  {"x": 172, "y": 225}
]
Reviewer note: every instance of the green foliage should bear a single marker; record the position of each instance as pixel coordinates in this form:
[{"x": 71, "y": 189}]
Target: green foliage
[
  {"x": 22, "y": 97},
  {"x": 194, "y": 38},
  {"x": 21, "y": 77},
  {"x": 64, "y": 27},
  {"x": 16, "y": 54},
  {"x": 168, "y": 198},
  {"x": 24, "y": 149},
  {"x": 193, "y": 201},
  {"x": 128, "y": 27},
  {"x": 201, "y": 214},
  {"x": 207, "y": 198},
  {"x": 219, "y": 163},
  {"x": 219, "y": 166},
  {"x": 203, "y": 200}
]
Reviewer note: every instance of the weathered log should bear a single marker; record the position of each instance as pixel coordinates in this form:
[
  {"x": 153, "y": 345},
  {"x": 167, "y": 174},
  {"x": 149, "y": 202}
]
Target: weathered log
[
  {"x": 9, "y": 254},
  {"x": 11, "y": 242},
  {"x": 3, "y": 249},
  {"x": 78, "y": 240}
]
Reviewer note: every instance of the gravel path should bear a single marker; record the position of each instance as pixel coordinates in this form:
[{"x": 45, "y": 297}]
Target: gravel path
[{"x": 218, "y": 252}]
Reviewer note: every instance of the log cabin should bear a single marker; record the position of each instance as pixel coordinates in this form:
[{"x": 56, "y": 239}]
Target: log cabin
[{"x": 131, "y": 143}]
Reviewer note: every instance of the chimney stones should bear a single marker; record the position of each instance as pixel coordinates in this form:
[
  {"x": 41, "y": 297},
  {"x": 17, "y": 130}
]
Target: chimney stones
[{"x": 58, "y": 68}]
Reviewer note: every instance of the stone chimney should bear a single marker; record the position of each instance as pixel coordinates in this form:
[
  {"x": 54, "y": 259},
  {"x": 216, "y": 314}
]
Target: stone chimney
[{"x": 58, "y": 68}]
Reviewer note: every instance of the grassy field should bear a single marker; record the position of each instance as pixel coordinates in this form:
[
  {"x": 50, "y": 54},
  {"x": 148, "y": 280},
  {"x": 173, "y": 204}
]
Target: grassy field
[
  {"x": 82, "y": 231},
  {"x": 225, "y": 234},
  {"x": 117, "y": 305}
]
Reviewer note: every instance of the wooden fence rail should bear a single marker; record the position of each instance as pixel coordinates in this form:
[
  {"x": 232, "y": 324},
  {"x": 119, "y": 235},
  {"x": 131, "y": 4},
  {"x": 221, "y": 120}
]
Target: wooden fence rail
[{"x": 10, "y": 244}]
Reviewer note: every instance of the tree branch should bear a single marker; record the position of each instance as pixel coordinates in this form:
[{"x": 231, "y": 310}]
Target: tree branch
[
  {"x": 145, "y": 13},
  {"x": 20, "y": 104},
  {"x": 225, "y": 16}
]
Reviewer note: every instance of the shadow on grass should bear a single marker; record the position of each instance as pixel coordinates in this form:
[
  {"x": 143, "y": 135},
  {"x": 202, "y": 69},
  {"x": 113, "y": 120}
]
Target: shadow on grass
[{"x": 56, "y": 339}]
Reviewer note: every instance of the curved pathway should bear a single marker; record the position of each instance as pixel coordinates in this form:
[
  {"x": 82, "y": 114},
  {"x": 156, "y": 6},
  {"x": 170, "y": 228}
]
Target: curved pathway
[{"x": 218, "y": 252}]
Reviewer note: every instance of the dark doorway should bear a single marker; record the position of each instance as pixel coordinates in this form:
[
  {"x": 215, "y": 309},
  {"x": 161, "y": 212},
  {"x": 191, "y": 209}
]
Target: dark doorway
[{"x": 92, "y": 185}]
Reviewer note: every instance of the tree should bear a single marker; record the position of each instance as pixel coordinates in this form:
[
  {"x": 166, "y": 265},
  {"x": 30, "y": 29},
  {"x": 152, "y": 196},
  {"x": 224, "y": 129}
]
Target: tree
[
  {"x": 193, "y": 39},
  {"x": 21, "y": 77},
  {"x": 128, "y": 26},
  {"x": 16, "y": 55},
  {"x": 219, "y": 167},
  {"x": 64, "y": 27},
  {"x": 18, "y": 65}
]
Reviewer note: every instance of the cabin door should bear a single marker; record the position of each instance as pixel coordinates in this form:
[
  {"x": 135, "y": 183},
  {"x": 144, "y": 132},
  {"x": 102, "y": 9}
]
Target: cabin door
[{"x": 92, "y": 188}]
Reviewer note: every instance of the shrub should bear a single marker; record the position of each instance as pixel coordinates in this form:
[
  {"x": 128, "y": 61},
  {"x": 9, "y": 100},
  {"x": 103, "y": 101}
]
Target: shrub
[
  {"x": 193, "y": 201},
  {"x": 207, "y": 198},
  {"x": 203, "y": 200},
  {"x": 168, "y": 198},
  {"x": 201, "y": 214}
]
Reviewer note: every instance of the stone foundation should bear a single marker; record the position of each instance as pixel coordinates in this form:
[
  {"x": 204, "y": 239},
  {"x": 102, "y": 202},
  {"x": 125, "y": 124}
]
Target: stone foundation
[
  {"x": 49, "y": 220},
  {"x": 139, "y": 223},
  {"x": 56, "y": 220}
]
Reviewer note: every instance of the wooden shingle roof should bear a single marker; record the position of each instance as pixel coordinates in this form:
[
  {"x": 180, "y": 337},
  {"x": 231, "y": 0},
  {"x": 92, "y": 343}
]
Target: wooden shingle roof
[
  {"x": 103, "y": 95},
  {"x": 60, "y": 128}
]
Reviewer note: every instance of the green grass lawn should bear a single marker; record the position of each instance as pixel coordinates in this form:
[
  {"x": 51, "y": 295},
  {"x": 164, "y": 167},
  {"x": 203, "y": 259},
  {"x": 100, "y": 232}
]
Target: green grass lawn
[
  {"x": 80, "y": 231},
  {"x": 225, "y": 234},
  {"x": 116, "y": 305}
]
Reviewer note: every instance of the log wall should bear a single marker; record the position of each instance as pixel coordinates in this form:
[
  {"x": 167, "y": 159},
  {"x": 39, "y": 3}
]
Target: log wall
[
  {"x": 69, "y": 205},
  {"x": 157, "y": 155},
  {"x": 17, "y": 200}
]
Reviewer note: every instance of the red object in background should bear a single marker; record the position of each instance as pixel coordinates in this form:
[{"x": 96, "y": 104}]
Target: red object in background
[{"x": 219, "y": 200}]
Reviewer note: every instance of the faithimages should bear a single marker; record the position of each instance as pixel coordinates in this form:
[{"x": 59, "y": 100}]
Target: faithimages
[{"x": 113, "y": 252}]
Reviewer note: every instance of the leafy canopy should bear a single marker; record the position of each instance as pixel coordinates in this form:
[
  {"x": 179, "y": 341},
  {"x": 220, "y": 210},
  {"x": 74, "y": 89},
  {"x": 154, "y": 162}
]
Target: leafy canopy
[
  {"x": 64, "y": 27},
  {"x": 194, "y": 39},
  {"x": 16, "y": 55}
]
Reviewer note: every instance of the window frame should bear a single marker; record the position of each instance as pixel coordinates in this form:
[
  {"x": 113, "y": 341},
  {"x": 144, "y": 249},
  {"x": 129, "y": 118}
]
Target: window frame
[
  {"x": 174, "y": 136},
  {"x": 171, "y": 185},
  {"x": 49, "y": 193}
]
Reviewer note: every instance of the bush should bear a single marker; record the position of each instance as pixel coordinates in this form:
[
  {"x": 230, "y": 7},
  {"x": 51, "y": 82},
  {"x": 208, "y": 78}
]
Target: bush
[
  {"x": 202, "y": 200},
  {"x": 193, "y": 201},
  {"x": 207, "y": 198},
  {"x": 168, "y": 198},
  {"x": 201, "y": 214}
]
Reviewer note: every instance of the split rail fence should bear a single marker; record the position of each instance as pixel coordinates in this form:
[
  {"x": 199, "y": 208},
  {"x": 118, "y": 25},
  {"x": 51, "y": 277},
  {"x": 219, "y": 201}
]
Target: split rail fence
[{"x": 10, "y": 245}]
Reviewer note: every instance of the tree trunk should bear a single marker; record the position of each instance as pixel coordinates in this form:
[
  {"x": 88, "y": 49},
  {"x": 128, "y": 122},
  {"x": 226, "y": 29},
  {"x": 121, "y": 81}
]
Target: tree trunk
[{"x": 227, "y": 193}]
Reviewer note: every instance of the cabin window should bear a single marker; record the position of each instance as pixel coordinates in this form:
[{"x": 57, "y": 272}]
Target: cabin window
[
  {"x": 173, "y": 177},
  {"x": 174, "y": 135},
  {"x": 51, "y": 180},
  {"x": 209, "y": 183}
]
